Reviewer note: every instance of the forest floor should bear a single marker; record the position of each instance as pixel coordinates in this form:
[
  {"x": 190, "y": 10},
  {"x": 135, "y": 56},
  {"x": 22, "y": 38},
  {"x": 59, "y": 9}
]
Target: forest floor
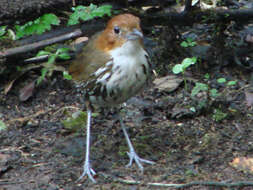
[{"x": 37, "y": 152}]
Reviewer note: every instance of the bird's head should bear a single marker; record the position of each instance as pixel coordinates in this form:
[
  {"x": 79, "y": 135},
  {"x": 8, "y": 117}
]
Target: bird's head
[{"x": 119, "y": 30}]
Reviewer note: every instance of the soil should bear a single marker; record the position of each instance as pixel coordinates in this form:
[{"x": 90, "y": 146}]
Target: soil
[{"x": 37, "y": 152}]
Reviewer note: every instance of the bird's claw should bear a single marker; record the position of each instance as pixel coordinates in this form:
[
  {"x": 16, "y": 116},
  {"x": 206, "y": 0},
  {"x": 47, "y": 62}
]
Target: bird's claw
[
  {"x": 133, "y": 156},
  {"x": 87, "y": 170}
]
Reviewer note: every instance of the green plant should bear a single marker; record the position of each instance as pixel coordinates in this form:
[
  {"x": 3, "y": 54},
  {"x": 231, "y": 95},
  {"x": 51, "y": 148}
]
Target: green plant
[
  {"x": 214, "y": 93},
  {"x": 2, "y": 30},
  {"x": 188, "y": 43},
  {"x": 199, "y": 87},
  {"x": 204, "y": 87},
  {"x": 227, "y": 83},
  {"x": 221, "y": 80},
  {"x": 180, "y": 68},
  {"x": 190, "y": 173},
  {"x": 88, "y": 13},
  {"x": 37, "y": 26},
  {"x": 76, "y": 121},
  {"x": 218, "y": 115},
  {"x": 232, "y": 82},
  {"x": 4, "y": 33},
  {"x": 207, "y": 76},
  {"x": 48, "y": 68},
  {"x": 2, "y": 126}
]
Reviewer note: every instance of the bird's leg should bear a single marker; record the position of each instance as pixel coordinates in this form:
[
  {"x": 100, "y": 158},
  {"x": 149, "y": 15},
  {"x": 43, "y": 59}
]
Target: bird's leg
[
  {"x": 87, "y": 170},
  {"x": 132, "y": 154}
]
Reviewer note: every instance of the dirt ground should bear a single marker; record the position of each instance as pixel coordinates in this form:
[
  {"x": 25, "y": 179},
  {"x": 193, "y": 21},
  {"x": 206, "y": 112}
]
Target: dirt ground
[{"x": 37, "y": 152}]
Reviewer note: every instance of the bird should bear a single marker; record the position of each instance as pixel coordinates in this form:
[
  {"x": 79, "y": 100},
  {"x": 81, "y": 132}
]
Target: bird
[{"x": 112, "y": 67}]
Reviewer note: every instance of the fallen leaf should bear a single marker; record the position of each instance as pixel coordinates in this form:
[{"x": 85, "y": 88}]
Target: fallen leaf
[
  {"x": 27, "y": 91},
  {"x": 19, "y": 74},
  {"x": 8, "y": 86},
  {"x": 249, "y": 98},
  {"x": 243, "y": 164},
  {"x": 168, "y": 83}
]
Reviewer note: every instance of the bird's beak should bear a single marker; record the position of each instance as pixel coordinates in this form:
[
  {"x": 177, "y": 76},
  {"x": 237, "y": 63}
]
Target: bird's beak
[{"x": 134, "y": 35}]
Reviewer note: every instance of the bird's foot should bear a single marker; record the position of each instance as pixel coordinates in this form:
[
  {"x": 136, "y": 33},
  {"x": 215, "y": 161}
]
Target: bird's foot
[
  {"x": 87, "y": 170},
  {"x": 134, "y": 157}
]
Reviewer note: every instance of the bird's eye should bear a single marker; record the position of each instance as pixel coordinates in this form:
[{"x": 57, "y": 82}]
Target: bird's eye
[{"x": 116, "y": 30}]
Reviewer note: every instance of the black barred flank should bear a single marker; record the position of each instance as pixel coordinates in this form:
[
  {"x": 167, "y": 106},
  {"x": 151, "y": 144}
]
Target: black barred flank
[
  {"x": 104, "y": 92},
  {"x": 144, "y": 69},
  {"x": 97, "y": 89},
  {"x": 108, "y": 78},
  {"x": 149, "y": 61},
  {"x": 136, "y": 76},
  {"x": 112, "y": 93}
]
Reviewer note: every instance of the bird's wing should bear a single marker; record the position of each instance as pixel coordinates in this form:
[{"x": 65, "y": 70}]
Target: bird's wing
[{"x": 88, "y": 62}]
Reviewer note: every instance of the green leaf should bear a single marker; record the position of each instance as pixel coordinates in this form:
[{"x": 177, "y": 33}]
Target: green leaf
[
  {"x": 188, "y": 61},
  {"x": 19, "y": 69},
  {"x": 2, "y": 126},
  {"x": 62, "y": 53},
  {"x": 42, "y": 52},
  {"x": 87, "y": 13},
  {"x": 214, "y": 93},
  {"x": 190, "y": 42},
  {"x": 184, "y": 44},
  {"x": 193, "y": 44},
  {"x": 178, "y": 68},
  {"x": 42, "y": 76},
  {"x": 64, "y": 56},
  {"x": 50, "y": 19},
  {"x": 193, "y": 109},
  {"x": 67, "y": 76},
  {"x": 19, "y": 31},
  {"x": 2, "y": 30},
  {"x": 44, "y": 72},
  {"x": 76, "y": 122},
  {"x": 221, "y": 80},
  {"x": 199, "y": 87},
  {"x": 232, "y": 82},
  {"x": 38, "y": 26},
  {"x": 79, "y": 12},
  {"x": 51, "y": 59},
  {"x": 207, "y": 76},
  {"x": 102, "y": 10},
  {"x": 218, "y": 115},
  {"x": 62, "y": 50}
]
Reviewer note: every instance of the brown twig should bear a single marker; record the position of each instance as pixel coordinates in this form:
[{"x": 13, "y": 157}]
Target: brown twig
[
  {"x": 238, "y": 184},
  {"x": 37, "y": 45},
  {"x": 209, "y": 16},
  {"x": 24, "y": 119}
]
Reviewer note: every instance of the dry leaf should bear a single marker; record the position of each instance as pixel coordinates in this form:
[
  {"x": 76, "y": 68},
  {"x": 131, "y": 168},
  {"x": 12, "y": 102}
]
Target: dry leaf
[
  {"x": 168, "y": 83},
  {"x": 24, "y": 69},
  {"x": 249, "y": 98},
  {"x": 243, "y": 164},
  {"x": 27, "y": 91},
  {"x": 8, "y": 86}
]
